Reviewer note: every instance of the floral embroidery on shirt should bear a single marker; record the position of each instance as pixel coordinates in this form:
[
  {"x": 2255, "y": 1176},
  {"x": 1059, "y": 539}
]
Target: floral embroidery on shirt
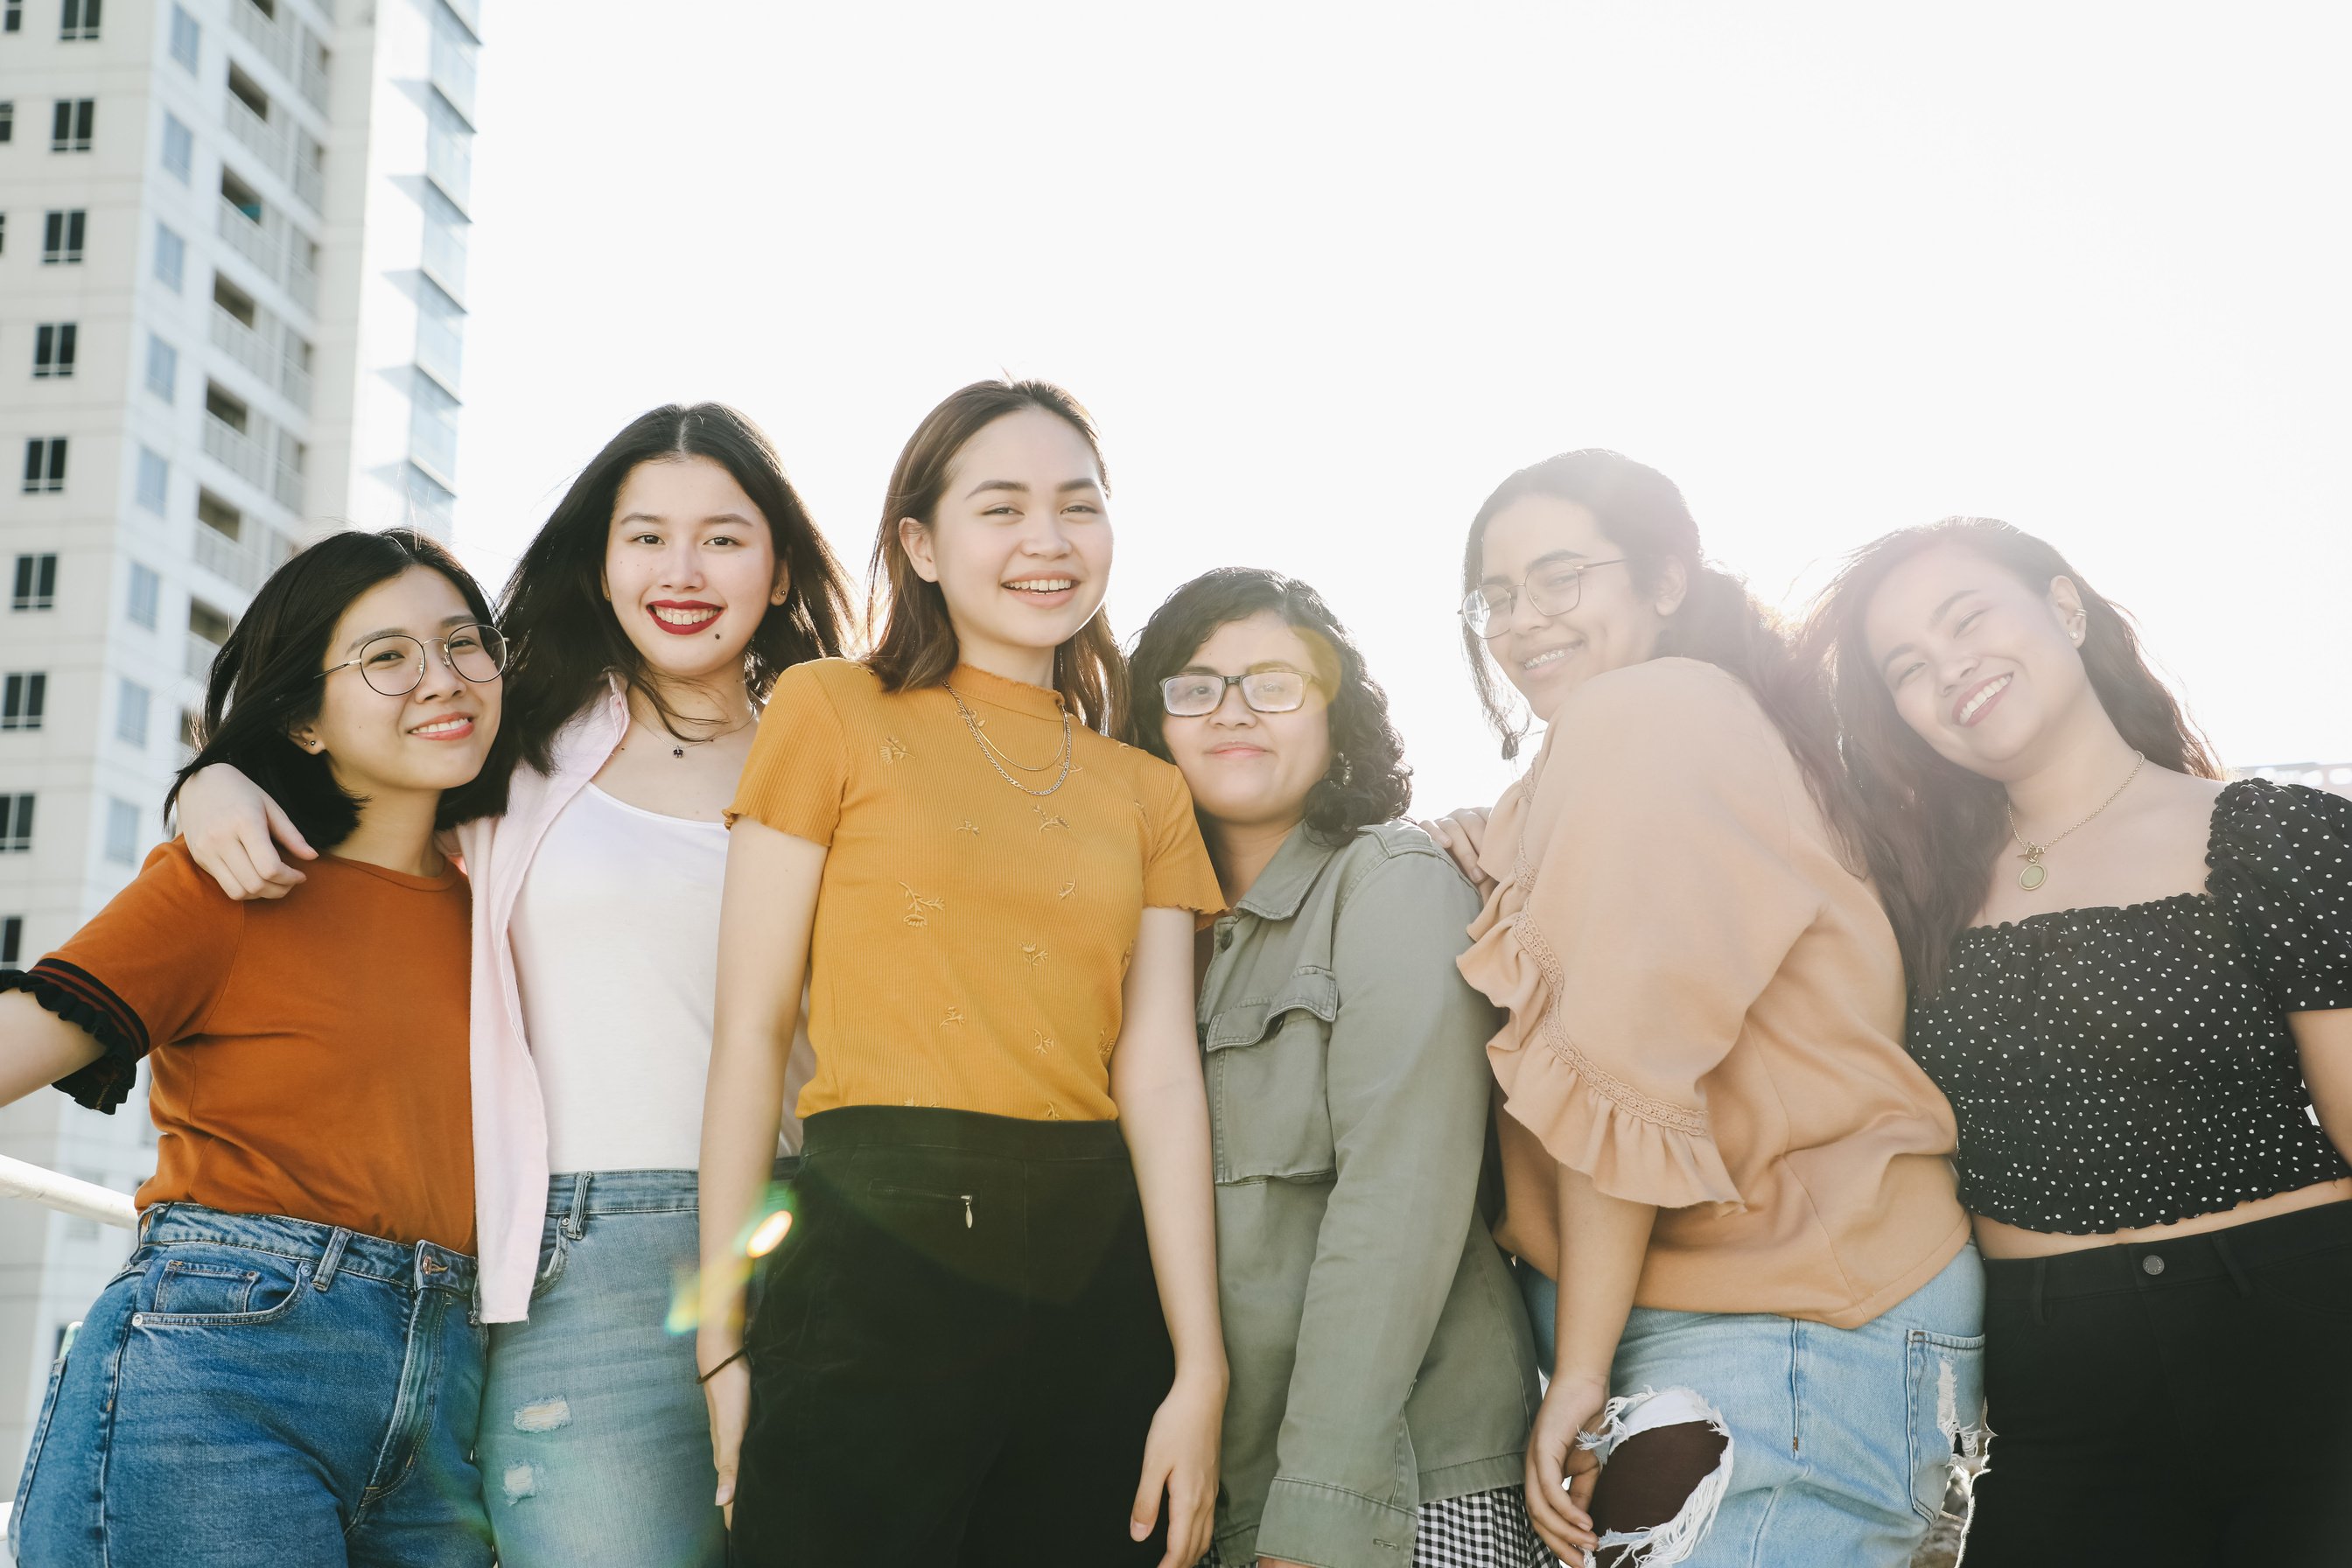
[
  {"x": 1034, "y": 953},
  {"x": 1045, "y": 1046},
  {"x": 891, "y": 749},
  {"x": 1047, "y": 821},
  {"x": 955, "y": 1016},
  {"x": 1052, "y": 1114},
  {"x": 969, "y": 825},
  {"x": 915, "y": 906},
  {"x": 1066, "y": 890}
]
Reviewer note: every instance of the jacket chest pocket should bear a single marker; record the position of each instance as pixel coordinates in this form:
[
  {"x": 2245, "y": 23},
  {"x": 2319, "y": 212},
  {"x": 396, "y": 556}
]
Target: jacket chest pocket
[{"x": 1267, "y": 1083}]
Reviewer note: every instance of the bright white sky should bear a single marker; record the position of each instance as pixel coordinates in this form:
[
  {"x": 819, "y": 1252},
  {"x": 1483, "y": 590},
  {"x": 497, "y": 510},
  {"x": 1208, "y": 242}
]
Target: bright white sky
[{"x": 1326, "y": 273}]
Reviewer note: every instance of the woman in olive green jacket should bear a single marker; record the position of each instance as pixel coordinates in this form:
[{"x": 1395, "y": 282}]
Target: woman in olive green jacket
[{"x": 1383, "y": 1374}]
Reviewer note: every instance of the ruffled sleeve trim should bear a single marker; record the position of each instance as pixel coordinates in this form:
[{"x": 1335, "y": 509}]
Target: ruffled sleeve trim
[
  {"x": 80, "y": 999},
  {"x": 1634, "y": 1145}
]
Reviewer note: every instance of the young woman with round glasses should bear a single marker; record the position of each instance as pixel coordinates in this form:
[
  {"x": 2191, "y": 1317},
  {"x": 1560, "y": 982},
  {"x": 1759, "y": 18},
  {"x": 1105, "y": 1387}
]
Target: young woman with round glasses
[
  {"x": 1722, "y": 1172},
  {"x": 677, "y": 578},
  {"x": 989, "y": 1333},
  {"x": 2134, "y": 981},
  {"x": 287, "y": 1365},
  {"x": 1367, "y": 1312}
]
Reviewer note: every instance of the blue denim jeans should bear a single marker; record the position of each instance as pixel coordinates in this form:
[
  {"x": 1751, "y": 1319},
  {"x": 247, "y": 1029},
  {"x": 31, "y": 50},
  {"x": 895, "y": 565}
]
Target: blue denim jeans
[
  {"x": 596, "y": 1448},
  {"x": 252, "y": 1388},
  {"x": 1843, "y": 1440}
]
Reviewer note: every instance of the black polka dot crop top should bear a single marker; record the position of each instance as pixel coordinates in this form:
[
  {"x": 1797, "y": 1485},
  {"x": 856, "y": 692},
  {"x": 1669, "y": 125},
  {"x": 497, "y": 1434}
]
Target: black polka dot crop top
[{"x": 2125, "y": 1066}]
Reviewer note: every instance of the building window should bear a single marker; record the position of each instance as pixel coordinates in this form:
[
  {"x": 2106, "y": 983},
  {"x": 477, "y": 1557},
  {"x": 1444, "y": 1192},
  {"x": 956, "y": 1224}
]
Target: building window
[
  {"x": 448, "y": 149},
  {"x": 81, "y": 20},
  {"x": 44, "y": 464},
  {"x": 12, "y": 949},
  {"x": 61, "y": 237},
  {"x": 122, "y": 832},
  {"x": 430, "y": 504},
  {"x": 183, "y": 39},
  {"x": 440, "y": 333},
  {"x": 445, "y": 242},
  {"x": 3, "y": 233},
  {"x": 53, "y": 350},
  {"x": 179, "y": 147},
  {"x": 70, "y": 126},
  {"x": 15, "y": 824},
  {"x": 146, "y": 595},
  {"x": 171, "y": 258},
  {"x": 131, "y": 714},
  {"x": 154, "y": 480},
  {"x": 22, "y": 699},
  {"x": 37, "y": 582},
  {"x": 12, "y": 16},
  {"x": 432, "y": 427},
  {"x": 163, "y": 367},
  {"x": 7, "y": 119}
]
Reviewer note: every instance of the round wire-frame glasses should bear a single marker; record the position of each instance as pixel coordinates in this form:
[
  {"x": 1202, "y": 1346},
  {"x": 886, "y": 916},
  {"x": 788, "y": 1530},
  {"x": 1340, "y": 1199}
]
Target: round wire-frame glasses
[
  {"x": 1552, "y": 589},
  {"x": 394, "y": 664}
]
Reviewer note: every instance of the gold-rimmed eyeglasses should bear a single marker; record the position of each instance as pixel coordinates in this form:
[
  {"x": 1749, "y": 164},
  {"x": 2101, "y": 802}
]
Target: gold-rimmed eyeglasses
[
  {"x": 394, "y": 664},
  {"x": 1553, "y": 588}
]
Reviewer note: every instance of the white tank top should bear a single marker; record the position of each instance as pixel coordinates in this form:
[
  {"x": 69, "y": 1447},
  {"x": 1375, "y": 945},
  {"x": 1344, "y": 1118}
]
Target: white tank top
[{"x": 616, "y": 937}]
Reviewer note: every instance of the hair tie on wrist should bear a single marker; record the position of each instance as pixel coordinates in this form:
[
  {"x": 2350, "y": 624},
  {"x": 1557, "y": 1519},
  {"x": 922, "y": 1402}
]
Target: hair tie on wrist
[{"x": 722, "y": 1366}]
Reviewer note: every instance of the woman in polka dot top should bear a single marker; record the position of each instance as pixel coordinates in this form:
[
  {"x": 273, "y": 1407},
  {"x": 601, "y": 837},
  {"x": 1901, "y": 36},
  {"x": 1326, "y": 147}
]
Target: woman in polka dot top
[{"x": 2134, "y": 981}]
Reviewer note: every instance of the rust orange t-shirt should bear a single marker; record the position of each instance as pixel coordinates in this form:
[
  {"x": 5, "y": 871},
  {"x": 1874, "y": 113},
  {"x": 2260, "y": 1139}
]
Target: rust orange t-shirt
[{"x": 308, "y": 1053}]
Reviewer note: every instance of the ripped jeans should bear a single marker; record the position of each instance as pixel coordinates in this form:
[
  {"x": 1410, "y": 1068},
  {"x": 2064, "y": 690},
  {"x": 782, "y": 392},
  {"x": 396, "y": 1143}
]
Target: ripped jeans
[
  {"x": 1843, "y": 1440},
  {"x": 596, "y": 1449}
]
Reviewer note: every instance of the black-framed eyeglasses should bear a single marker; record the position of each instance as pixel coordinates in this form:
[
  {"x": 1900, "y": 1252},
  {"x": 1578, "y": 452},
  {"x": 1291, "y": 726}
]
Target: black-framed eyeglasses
[
  {"x": 394, "y": 664},
  {"x": 1195, "y": 695},
  {"x": 1553, "y": 590}
]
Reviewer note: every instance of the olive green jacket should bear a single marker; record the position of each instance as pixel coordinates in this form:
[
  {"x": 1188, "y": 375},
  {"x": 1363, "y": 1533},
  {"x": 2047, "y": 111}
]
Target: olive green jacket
[{"x": 1380, "y": 1358}]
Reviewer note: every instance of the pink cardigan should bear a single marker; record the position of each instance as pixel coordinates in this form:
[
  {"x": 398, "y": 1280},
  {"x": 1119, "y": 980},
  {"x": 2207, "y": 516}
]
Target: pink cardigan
[{"x": 509, "y": 1118}]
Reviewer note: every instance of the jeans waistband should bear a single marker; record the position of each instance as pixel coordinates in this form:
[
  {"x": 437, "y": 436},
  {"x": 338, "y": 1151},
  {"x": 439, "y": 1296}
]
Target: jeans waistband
[
  {"x": 962, "y": 1131},
  {"x": 576, "y": 1195},
  {"x": 422, "y": 1265},
  {"x": 2225, "y": 1254}
]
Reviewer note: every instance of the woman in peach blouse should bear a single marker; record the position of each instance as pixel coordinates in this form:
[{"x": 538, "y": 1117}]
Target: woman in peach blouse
[{"x": 1713, "y": 1140}]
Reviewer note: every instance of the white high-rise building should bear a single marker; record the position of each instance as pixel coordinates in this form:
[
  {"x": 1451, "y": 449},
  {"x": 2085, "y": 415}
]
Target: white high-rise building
[{"x": 233, "y": 243}]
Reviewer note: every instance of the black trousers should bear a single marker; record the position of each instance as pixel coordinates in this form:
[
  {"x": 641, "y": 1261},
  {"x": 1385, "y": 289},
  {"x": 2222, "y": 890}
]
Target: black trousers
[
  {"x": 958, "y": 1350},
  {"x": 2181, "y": 1401}
]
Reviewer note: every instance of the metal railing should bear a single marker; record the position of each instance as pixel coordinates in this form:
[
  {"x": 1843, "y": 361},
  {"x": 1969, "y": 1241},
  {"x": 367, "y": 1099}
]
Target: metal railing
[
  {"x": 83, "y": 1200},
  {"x": 238, "y": 452}
]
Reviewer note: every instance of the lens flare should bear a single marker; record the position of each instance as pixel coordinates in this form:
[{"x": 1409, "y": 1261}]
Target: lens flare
[{"x": 769, "y": 1231}]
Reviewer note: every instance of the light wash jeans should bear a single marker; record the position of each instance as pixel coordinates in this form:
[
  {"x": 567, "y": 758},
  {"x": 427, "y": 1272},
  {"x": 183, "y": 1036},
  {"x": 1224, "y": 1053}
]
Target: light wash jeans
[
  {"x": 596, "y": 1449},
  {"x": 255, "y": 1389},
  {"x": 1843, "y": 1440}
]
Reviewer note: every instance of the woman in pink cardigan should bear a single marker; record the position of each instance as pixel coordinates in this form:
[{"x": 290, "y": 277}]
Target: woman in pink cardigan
[{"x": 677, "y": 578}]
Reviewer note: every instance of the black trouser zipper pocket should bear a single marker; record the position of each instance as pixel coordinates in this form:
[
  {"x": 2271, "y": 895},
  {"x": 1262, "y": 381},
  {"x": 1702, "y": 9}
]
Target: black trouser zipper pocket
[{"x": 884, "y": 1190}]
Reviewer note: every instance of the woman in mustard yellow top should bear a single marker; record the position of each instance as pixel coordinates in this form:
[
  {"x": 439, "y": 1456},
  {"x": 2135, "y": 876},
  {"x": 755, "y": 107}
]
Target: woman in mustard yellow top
[{"x": 990, "y": 1334}]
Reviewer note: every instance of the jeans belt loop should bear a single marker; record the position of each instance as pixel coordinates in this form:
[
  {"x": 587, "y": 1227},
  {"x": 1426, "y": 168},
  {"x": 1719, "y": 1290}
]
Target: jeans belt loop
[
  {"x": 331, "y": 1259},
  {"x": 575, "y": 1223},
  {"x": 2041, "y": 1275},
  {"x": 147, "y": 1220},
  {"x": 2228, "y": 1257}
]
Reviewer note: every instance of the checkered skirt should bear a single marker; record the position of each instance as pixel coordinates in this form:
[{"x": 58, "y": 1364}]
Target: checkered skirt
[{"x": 1483, "y": 1529}]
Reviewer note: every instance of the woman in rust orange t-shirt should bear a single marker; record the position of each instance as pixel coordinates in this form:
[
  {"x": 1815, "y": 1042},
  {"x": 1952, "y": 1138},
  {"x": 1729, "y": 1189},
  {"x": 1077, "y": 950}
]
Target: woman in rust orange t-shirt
[{"x": 287, "y": 1363}]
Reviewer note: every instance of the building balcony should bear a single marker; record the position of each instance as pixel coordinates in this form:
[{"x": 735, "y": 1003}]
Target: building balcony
[
  {"x": 243, "y": 346},
  {"x": 243, "y": 561},
  {"x": 198, "y": 659},
  {"x": 264, "y": 141},
  {"x": 291, "y": 49},
  {"x": 238, "y": 452},
  {"x": 247, "y": 236}
]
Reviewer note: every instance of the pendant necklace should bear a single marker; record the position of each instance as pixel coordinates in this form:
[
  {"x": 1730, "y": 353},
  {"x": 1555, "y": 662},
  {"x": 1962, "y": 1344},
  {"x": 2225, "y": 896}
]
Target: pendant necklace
[
  {"x": 678, "y": 743},
  {"x": 988, "y": 749},
  {"x": 2035, "y": 873}
]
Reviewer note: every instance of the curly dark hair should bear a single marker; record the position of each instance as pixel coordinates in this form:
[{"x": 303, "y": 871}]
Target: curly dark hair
[{"x": 1368, "y": 781}]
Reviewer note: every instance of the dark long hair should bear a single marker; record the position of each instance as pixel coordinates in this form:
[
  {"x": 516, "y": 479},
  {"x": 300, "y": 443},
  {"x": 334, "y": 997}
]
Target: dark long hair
[
  {"x": 1930, "y": 828},
  {"x": 566, "y": 638},
  {"x": 265, "y": 682},
  {"x": 1719, "y": 621},
  {"x": 914, "y": 641},
  {"x": 1366, "y": 781}
]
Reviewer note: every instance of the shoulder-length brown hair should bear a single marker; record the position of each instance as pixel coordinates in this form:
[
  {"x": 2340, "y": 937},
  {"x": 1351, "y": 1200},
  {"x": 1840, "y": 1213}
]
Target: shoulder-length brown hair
[
  {"x": 914, "y": 641},
  {"x": 1643, "y": 514},
  {"x": 1931, "y": 828}
]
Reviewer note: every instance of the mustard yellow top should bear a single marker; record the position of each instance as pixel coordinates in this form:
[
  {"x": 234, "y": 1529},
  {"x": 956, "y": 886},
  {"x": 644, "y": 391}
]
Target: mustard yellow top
[{"x": 971, "y": 940}]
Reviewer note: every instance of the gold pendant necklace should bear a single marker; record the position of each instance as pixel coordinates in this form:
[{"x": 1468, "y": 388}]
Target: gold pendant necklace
[
  {"x": 2035, "y": 873},
  {"x": 988, "y": 750}
]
